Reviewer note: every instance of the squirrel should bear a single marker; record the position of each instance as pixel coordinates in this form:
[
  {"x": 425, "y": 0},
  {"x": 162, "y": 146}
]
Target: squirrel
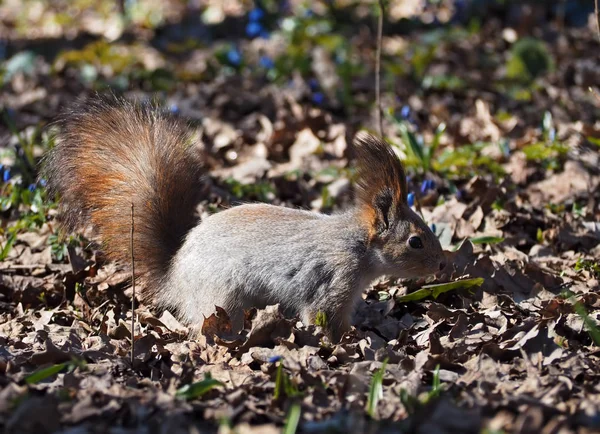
[{"x": 113, "y": 155}]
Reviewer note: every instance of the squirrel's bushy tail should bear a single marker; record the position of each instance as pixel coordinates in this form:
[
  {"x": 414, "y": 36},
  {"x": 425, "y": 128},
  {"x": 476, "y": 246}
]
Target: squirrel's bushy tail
[{"x": 112, "y": 153}]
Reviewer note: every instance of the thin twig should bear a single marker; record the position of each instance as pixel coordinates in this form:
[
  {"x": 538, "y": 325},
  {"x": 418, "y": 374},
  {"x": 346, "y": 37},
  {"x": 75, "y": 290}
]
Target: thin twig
[
  {"x": 132, "y": 288},
  {"x": 597, "y": 17},
  {"x": 378, "y": 69}
]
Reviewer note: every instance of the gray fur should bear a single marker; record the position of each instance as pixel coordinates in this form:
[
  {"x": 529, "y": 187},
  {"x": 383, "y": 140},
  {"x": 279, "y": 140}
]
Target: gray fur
[{"x": 305, "y": 261}]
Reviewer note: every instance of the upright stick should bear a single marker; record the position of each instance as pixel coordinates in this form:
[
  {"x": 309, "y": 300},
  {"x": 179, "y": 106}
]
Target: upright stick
[
  {"x": 378, "y": 69},
  {"x": 132, "y": 288}
]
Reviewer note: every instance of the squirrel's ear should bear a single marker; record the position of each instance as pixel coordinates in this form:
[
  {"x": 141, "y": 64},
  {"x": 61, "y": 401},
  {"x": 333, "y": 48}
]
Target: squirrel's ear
[{"x": 381, "y": 186}]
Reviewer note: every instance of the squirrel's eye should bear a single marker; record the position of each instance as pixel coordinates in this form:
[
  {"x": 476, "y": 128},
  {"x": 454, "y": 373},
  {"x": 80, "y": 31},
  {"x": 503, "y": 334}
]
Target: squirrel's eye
[{"x": 415, "y": 242}]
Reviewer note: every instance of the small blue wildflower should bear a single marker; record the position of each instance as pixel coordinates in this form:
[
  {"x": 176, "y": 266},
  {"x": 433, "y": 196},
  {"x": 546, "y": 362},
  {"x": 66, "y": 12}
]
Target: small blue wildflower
[
  {"x": 6, "y": 174},
  {"x": 31, "y": 187},
  {"x": 424, "y": 186},
  {"x": 405, "y": 111},
  {"x": 408, "y": 179},
  {"x": 313, "y": 83},
  {"x": 43, "y": 182},
  {"x": 318, "y": 98},
  {"x": 459, "y": 194},
  {"x": 274, "y": 359},
  {"x": 234, "y": 57},
  {"x": 265, "y": 34},
  {"x": 432, "y": 227},
  {"x": 174, "y": 109},
  {"x": 253, "y": 29},
  {"x": 410, "y": 199},
  {"x": 266, "y": 62},
  {"x": 431, "y": 185},
  {"x": 256, "y": 14}
]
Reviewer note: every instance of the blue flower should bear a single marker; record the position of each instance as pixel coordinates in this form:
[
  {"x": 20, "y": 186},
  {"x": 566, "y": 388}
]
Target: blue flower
[
  {"x": 313, "y": 83},
  {"x": 318, "y": 98},
  {"x": 6, "y": 174},
  {"x": 265, "y": 34},
  {"x": 174, "y": 108},
  {"x": 410, "y": 199},
  {"x": 424, "y": 186},
  {"x": 253, "y": 29},
  {"x": 234, "y": 56},
  {"x": 431, "y": 185},
  {"x": 266, "y": 62},
  {"x": 256, "y": 14},
  {"x": 405, "y": 111},
  {"x": 31, "y": 187},
  {"x": 43, "y": 182},
  {"x": 274, "y": 359},
  {"x": 432, "y": 227}
]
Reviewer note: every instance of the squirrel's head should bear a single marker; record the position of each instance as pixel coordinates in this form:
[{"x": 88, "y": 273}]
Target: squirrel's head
[{"x": 401, "y": 242}]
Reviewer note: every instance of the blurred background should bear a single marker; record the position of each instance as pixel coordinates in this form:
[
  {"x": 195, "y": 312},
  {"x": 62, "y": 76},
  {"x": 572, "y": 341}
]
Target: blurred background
[{"x": 277, "y": 89}]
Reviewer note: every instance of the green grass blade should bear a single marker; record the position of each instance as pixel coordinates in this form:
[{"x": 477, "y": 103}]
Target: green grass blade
[
  {"x": 293, "y": 419},
  {"x": 44, "y": 373},
  {"x": 486, "y": 240},
  {"x": 413, "y": 145},
  {"x": 195, "y": 390},
  {"x": 439, "y": 288},
  {"x": 376, "y": 390},
  {"x": 590, "y": 324}
]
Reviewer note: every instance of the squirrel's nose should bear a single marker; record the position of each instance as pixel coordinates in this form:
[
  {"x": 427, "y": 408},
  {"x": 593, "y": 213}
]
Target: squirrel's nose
[{"x": 442, "y": 264}]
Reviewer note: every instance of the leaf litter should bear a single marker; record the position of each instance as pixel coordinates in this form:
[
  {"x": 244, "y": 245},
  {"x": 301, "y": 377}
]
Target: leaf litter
[{"x": 505, "y": 339}]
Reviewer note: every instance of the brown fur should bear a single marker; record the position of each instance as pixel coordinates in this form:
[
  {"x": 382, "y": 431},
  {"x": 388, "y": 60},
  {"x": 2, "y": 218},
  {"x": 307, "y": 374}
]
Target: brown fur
[
  {"x": 112, "y": 153},
  {"x": 381, "y": 180}
]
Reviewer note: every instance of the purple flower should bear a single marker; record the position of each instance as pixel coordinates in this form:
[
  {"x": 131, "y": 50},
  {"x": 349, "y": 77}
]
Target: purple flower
[
  {"x": 253, "y": 29},
  {"x": 410, "y": 199},
  {"x": 274, "y": 359},
  {"x": 256, "y": 14},
  {"x": 266, "y": 62},
  {"x": 405, "y": 111},
  {"x": 234, "y": 56},
  {"x": 318, "y": 98}
]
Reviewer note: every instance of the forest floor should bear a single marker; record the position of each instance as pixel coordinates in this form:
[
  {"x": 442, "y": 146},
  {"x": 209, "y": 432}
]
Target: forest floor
[{"x": 494, "y": 112}]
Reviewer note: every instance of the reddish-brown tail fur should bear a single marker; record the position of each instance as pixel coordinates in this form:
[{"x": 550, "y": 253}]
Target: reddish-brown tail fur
[{"x": 111, "y": 154}]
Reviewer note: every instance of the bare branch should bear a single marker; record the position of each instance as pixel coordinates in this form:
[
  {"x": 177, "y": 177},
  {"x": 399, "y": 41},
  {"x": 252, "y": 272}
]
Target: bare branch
[
  {"x": 597, "y": 17},
  {"x": 132, "y": 288},
  {"x": 378, "y": 68}
]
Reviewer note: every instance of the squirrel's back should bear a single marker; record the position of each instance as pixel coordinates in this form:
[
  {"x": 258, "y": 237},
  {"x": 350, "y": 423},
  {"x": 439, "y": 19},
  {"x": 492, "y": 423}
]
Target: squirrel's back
[{"x": 112, "y": 154}]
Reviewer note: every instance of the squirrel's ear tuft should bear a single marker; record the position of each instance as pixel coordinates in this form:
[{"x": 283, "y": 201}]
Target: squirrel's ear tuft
[{"x": 381, "y": 186}]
